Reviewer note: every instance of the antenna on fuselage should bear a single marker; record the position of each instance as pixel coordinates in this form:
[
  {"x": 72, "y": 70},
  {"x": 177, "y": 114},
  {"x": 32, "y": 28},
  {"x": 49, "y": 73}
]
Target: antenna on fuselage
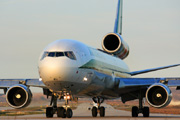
[{"x": 118, "y": 21}]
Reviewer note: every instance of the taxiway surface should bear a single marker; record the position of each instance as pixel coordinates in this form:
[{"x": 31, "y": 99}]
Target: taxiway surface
[{"x": 83, "y": 113}]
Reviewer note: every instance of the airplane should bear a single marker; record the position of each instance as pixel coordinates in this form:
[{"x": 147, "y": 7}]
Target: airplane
[{"x": 69, "y": 70}]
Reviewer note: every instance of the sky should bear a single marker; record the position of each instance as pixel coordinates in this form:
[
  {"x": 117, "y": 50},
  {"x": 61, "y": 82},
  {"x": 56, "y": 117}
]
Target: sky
[{"x": 150, "y": 27}]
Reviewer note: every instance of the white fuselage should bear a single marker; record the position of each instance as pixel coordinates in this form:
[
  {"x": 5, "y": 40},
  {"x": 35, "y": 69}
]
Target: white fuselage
[{"x": 71, "y": 66}]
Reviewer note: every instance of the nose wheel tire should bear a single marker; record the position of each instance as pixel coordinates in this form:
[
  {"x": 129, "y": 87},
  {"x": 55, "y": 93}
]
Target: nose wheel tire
[
  {"x": 69, "y": 113},
  {"x": 94, "y": 111},
  {"x": 49, "y": 112},
  {"x": 61, "y": 112}
]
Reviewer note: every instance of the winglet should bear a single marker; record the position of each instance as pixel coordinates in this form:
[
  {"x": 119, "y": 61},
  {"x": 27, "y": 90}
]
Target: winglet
[
  {"x": 151, "y": 70},
  {"x": 118, "y": 21}
]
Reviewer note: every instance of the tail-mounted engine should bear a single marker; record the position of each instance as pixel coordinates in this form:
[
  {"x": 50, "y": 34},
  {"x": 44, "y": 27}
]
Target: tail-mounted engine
[
  {"x": 18, "y": 96},
  {"x": 114, "y": 44},
  {"x": 158, "y": 95}
]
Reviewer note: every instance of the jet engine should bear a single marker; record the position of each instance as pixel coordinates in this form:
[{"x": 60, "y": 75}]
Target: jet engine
[
  {"x": 158, "y": 95},
  {"x": 18, "y": 96},
  {"x": 114, "y": 44}
]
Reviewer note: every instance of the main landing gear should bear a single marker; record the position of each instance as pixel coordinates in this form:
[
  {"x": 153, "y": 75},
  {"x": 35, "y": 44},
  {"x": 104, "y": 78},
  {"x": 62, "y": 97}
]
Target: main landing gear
[
  {"x": 62, "y": 112},
  {"x": 141, "y": 109},
  {"x": 98, "y": 109}
]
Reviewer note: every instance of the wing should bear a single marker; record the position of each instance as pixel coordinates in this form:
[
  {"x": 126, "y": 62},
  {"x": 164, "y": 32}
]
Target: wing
[
  {"x": 6, "y": 83},
  {"x": 130, "y": 88},
  {"x": 151, "y": 70},
  {"x": 140, "y": 82}
]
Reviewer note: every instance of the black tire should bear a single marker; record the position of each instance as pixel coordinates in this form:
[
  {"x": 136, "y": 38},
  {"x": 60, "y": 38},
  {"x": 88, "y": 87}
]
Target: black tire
[
  {"x": 49, "y": 112},
  {"x": 61, "y": 112},
  {"x": 94, "y": 111},
  {"x": 59, "y": 109},
  {"x": 146, "y": 112},
  {"x": 69, "y": 113},
  {"x": 135, "y": 111},
  {"x": 102, "y": 111}
]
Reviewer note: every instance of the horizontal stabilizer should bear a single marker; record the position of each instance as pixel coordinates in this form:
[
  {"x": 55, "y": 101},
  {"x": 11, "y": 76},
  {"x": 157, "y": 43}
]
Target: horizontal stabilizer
[{"x": 151, "y": 70}]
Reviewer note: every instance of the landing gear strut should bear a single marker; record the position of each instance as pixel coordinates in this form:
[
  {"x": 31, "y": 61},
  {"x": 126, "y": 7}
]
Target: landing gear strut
[
  {"x": 51, "y": 110},
  {"x": 61, "y": 111},
  {"x": 98, "y": 109},
  {"x": 141, "y": 109}
]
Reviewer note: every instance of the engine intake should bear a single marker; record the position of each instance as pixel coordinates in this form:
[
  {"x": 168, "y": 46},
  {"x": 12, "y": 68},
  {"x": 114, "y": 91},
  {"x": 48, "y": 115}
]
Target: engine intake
[
  {"x": 158, "y": 95},
  {"x": 18, "y": 96},
  {"x": 114, "y": 44}
]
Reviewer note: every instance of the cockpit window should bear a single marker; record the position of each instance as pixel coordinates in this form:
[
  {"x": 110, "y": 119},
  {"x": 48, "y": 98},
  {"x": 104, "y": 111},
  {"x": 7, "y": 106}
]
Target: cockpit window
[
  {"x": 51, "y": 54},
  {"x": 68, "y": 54},
  {"x": 44, "y": 55},
  {"x": 59, "y": 54}
]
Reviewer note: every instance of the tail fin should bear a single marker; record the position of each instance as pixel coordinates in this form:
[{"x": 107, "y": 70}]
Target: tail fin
[{"x": 118, "y": 21}]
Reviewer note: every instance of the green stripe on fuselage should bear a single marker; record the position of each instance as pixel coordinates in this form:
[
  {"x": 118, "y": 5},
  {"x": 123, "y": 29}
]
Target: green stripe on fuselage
[{"x": 104, "y": 68}]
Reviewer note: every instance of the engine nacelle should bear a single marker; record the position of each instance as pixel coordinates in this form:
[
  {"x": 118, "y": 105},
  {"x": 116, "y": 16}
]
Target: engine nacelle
[
  {"x": 114, "y": 44},
  {"x": 18, "y": 96},
  {"x": 158, "y": 95}
]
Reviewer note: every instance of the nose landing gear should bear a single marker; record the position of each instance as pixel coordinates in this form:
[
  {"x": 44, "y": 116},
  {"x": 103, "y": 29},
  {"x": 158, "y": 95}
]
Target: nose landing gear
[
  {"x": 98, "y": 109},
  {"x": 62, "y": 112}
]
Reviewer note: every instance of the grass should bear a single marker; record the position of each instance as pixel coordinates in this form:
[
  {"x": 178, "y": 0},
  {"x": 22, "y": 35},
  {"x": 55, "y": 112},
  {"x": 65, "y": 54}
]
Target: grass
[
  {"x": 23, "y": 111},
  {"x": 29, "y": 111}
]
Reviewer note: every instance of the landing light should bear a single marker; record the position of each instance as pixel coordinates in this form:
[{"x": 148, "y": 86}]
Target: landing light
[
  {"x": 67, "y": 97},
  {"x": 85, "y": 79},
  {"x": 40, "y": 79}
]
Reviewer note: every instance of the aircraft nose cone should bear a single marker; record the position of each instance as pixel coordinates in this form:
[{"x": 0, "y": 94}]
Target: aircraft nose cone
[
  {"x": 51, "y": 70},
  {"x": 57, "y": 71}
]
